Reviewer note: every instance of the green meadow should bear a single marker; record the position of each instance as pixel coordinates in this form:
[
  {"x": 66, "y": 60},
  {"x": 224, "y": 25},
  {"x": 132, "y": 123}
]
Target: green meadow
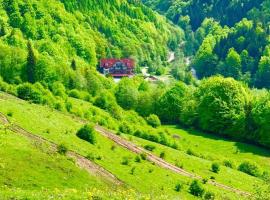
[{"x": 143, "y": 177}]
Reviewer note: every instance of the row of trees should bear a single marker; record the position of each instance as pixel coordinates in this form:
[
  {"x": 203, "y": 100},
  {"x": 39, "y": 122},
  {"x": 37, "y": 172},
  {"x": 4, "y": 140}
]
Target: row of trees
[{"x": 218, "y": 105}]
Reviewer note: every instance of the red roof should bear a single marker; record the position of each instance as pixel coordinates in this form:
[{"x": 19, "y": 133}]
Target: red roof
[{"x": 108, "y": 63}]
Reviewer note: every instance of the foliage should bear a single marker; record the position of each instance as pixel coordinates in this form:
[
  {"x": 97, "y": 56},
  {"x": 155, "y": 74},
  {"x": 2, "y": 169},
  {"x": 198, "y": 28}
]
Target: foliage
[
  {"x": 178, "y": 187},
  {"x": 215, "y": 167},
  {"x": 62, "y": 149},
  {"x": 28, "y": 92},
  {"x": 87, "y": 133},
  {"x": 149, "y": 147},
  {"x": 153, "y": 120},
  {"x": 249, "y": 168},
  {"x": 222, "y": 104},
  {"x": 196, "y": 188}
]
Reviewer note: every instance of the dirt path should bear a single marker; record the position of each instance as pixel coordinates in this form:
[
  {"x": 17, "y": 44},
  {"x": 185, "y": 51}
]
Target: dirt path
[
  {"x": 81, "y": 161},
  {"x": 160, "y": 162},
  {"x": 92, "y": 167}
]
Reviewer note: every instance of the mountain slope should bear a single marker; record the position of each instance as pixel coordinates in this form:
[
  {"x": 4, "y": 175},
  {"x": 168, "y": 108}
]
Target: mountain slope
[
  {"x": 225, "y": 11},
  {"x": 79, "y": 32}
]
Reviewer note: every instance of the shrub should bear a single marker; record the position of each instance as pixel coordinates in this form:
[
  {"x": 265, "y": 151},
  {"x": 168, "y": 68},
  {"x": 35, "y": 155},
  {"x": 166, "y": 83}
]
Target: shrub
[
  {"x": 132, "y": 171},
  {"x": 196, "y": 188},
  {"x": 153, "y": 138},
  {"x": 90, "y": 156},
  {"x": 101, "y": 101},
  {"x": 174, "y": 146},
  {"x": 228, "y": 163},
  {"x": 162, "y": 139},
  {"x": 178, "y": 187},
  {"x": 153, "y": 121},
  {"x": 28, "y": 92},
  {"x": 58, "y": 89},
  {"x": 10, "y": 113},
  {"x": 74, "y": 93},
  {"x": 192, "y": 153},
  {"x": 137, "y": 159},
  {"x": 249, "y": 168},
  {"x": 138, "y": 133},
  {"x": 215, "y": 167},
  {"x": 209, "y": 196},
  {"x": 125, "y": 161},
  {"x": 125, "y": 128},
  {"x": 162, "y": 155},
  {"x": 68, "y": 106},
  {"x": 205, "y": 180},
  {"x": 62, "y": 149},
  {"x": 143, "y": 156},
  {"x": 87, "y": 133},
  {"x": 149, "y": 147}
]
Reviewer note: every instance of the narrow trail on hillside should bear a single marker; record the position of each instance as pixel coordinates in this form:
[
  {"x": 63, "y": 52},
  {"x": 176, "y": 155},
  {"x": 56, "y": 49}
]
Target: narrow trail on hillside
[
  {"x": 160, "y": 162},
  {"x": 91, "y": 167}
]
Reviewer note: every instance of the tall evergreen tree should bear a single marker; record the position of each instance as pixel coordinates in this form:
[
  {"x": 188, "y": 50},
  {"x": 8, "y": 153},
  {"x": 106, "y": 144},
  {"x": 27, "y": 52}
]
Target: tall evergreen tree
[{"x": 31, "y": 63}]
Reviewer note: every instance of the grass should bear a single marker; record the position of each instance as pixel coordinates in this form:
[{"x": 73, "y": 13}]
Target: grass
[
  {"x": 208, "y": 150},
  {"x": 31, "y": 166},
  {"x": 143, "y": 177}
]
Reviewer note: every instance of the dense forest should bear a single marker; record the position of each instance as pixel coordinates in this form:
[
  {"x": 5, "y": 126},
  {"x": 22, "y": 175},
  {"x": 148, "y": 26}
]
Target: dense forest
[
  {"x": 69, "y": 38},
  {"x": 230, "y": 38}
]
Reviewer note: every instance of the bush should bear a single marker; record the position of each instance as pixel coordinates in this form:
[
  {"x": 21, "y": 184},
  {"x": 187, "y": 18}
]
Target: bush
[
  {"x": 90, "y": 156},
  {"x": 149, "y": 147},
  {"x": 28, "y": 92},
  {"x": 196, "y": 189},
  {"x": 132, "y": 171},
  {"x": 10, "y": 113},
  {"x": 215, "y": 167},
  {"x": 228, "y": 163},
  {"x": 87, "y": 133},
  {"x": 125, "y": 128},
  {"x": 153, "y": 121},
  {"x": 178, "y": 187},
  {"x": 249, "y": 168},
  {"x": 74, "y": 93},
  {"x": 143, "y": 156},
  {"x": 137, "y": 159},
  {"x": 192, "y": 153},
  {"x": 209, "y": 196},
  {"x": 62, "y": 149},
  {"x": 125, "y": 161},
  {"x": 162, "y": 155}
]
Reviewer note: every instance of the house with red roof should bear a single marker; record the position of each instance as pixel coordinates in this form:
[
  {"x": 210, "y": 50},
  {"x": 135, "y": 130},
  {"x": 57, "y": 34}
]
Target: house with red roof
[{"x": 117, "y": 67}]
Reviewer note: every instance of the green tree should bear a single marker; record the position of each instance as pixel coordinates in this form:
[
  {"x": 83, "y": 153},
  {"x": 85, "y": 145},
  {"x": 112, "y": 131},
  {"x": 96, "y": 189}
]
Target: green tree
[
  {"x": 170, "y": 104},
  {"x": 221, "y": 106},
  {"x": 233, "y": 64},
  {"x": 126, "y": 94},
  {"x": 31, "y": 63},
  {"x": 205, "y": 61},
  {"x": 263, "y": 73}
]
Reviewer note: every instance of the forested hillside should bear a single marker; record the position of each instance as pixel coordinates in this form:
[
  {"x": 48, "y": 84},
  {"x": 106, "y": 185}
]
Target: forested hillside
[
  {"x": 230, "y": 38},
  {"x": 67, "y": 37}
]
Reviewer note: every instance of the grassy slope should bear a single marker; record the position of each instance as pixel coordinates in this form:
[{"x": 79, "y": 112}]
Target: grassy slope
[
  {"x": 213, "y": 149},
  {"x": 62, "y": 128},
  {"x": 43, "y": 169}
]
